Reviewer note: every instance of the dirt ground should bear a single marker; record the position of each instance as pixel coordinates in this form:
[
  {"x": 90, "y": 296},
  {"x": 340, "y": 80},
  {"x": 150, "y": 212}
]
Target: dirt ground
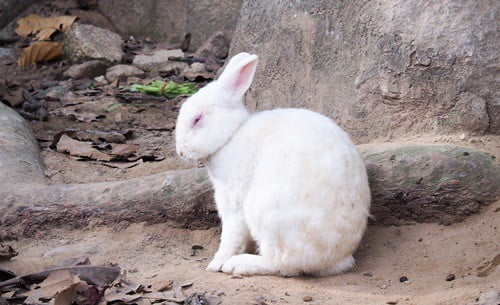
[{"x": 425, "y": 253}]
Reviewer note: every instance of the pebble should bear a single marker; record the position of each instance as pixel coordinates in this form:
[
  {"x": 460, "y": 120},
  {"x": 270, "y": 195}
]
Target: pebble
[
  {"x": 450, "y": 277},
  {"x": 367, "y": 273},
  {"x": 307, "y": 298},
  {"x": 462, "y": 136},
  {"x": 403, "y": 279}
]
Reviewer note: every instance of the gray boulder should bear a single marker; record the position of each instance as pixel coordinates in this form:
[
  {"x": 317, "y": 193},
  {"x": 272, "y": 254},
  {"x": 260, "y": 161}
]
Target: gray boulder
[
  {"x": 216, "y": 47},
  {"x": 89, "y": 69},
  {"x": 171, "y": 20},
  {"x": 381, "y": 69},
  {"x": 84, "y": 42}
]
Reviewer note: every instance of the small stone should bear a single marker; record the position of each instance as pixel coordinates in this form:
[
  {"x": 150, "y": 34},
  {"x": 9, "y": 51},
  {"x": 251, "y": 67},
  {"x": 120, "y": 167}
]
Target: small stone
[
  {"x": 122, "y": 71},
  {"x": 450, "y": 277},
  {"x": 101, "y": 80},
  {"x": 307, "y": 298},
  {"x": 158, "y": 61},
  {"x": 367, "y": 273},
  {"x": 463, "y": 136},
  {"x": 403, "y": 279},
  {"x": 88, "y": 69},
  {"x": 197, "y": 71},
  {"x": 8, "y": 53}
]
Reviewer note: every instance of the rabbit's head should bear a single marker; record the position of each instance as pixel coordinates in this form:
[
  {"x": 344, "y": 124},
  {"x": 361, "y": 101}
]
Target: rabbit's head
[{"x": 209, "y": 118}]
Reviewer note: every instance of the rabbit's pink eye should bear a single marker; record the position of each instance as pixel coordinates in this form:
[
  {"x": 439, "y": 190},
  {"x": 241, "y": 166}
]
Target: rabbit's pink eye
[{"x": 196, "y": 120}]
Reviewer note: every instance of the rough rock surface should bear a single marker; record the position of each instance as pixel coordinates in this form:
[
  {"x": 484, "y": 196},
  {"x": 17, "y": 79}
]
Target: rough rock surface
[
  {"x": 89, "y": 69},
  {"x": 170, "y": 20},
  {"x": 216, "y": 47},
  {"x": 428, "y": 183},
  {"x": 92, "y": 17},
  {"x": 20, "y": 159},
  {"x": 85, "y": 42},
  {"x": 158, "y": 61},
  {"x": 381, "y": 69},
  {"x": 124, "y": 71}
]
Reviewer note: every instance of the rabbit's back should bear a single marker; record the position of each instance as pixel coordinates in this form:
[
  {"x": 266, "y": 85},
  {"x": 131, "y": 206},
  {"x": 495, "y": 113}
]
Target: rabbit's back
[{"x": 301, "y": 185}]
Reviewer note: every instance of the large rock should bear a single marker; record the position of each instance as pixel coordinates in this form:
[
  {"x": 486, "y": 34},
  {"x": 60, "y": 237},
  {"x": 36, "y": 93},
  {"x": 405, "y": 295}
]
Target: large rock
[
  {"x": 428, "y": 183},
  {"x": 20, "y": 159},
  {"x": 381, "y": 68},
  {"x": 170, "y": 20},
  {"x": 86, "y": 42},
  {"x": 216, "y": 47}
]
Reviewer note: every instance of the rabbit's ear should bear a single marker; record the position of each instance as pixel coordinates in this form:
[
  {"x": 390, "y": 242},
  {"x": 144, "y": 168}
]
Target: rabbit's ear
[{"x": 238, "y": 75}]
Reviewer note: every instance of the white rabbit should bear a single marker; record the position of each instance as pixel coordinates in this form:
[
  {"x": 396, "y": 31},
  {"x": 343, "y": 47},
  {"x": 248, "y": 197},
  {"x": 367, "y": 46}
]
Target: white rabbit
[{"x": 289, "y": 179}]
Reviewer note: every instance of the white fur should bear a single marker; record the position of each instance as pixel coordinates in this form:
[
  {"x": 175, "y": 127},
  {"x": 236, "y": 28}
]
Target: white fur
[{"x": 289, "y": 179}]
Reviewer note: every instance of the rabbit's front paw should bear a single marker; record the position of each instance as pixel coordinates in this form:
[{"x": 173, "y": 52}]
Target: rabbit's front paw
[
  {"x": 248, "y": 264},
  {"x": 216, "y": 264}
]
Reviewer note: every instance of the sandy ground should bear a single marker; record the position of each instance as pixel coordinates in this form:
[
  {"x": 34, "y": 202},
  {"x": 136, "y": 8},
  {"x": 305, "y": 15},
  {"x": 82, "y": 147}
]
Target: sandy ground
[{"x": 425, "y": 253}]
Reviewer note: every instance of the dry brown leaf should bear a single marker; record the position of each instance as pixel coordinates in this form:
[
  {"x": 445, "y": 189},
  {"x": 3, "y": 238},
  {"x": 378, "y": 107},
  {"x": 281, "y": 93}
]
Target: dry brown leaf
[
  {"x": 123, "y": 165},
  {"x": 80, "y": 149},
  {"x": 163, "y": 285},
  {"x": 124, "y": 150},
  {"x": 66, "y": 296},
  {"x": 26, "y": 266},
  {"x": 57, "y": 281},
  {"x": 42, "y": 28},
  {"x": 40, "y": 51}
]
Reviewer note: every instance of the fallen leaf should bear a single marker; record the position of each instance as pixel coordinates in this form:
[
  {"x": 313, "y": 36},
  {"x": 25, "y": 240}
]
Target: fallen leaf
[
  {"x": 40, "y": 51},
  {"x": 82, "y": 116},
  {"x": 95, "y": 275},
  {"x": 7, "y": 252},
  {"x": 124, "y": 150},
  {"x": 71, "y": 99},
  {"x": 66, "y": 296},
  {"x": 163, "y": 285},
  {"x": 26, "y": 266},
  {"x": 80, "y": 149},
  {"x": 123, "y": 165},
  {"x": 87, "y": 294},
  {"x": 489, "y": 267},
  {"x": 43, "y": 27},
  {"x": 113, "y": 295},
  {"x": 6, "y": 274},
  {"x": 57, "y": 281}
]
